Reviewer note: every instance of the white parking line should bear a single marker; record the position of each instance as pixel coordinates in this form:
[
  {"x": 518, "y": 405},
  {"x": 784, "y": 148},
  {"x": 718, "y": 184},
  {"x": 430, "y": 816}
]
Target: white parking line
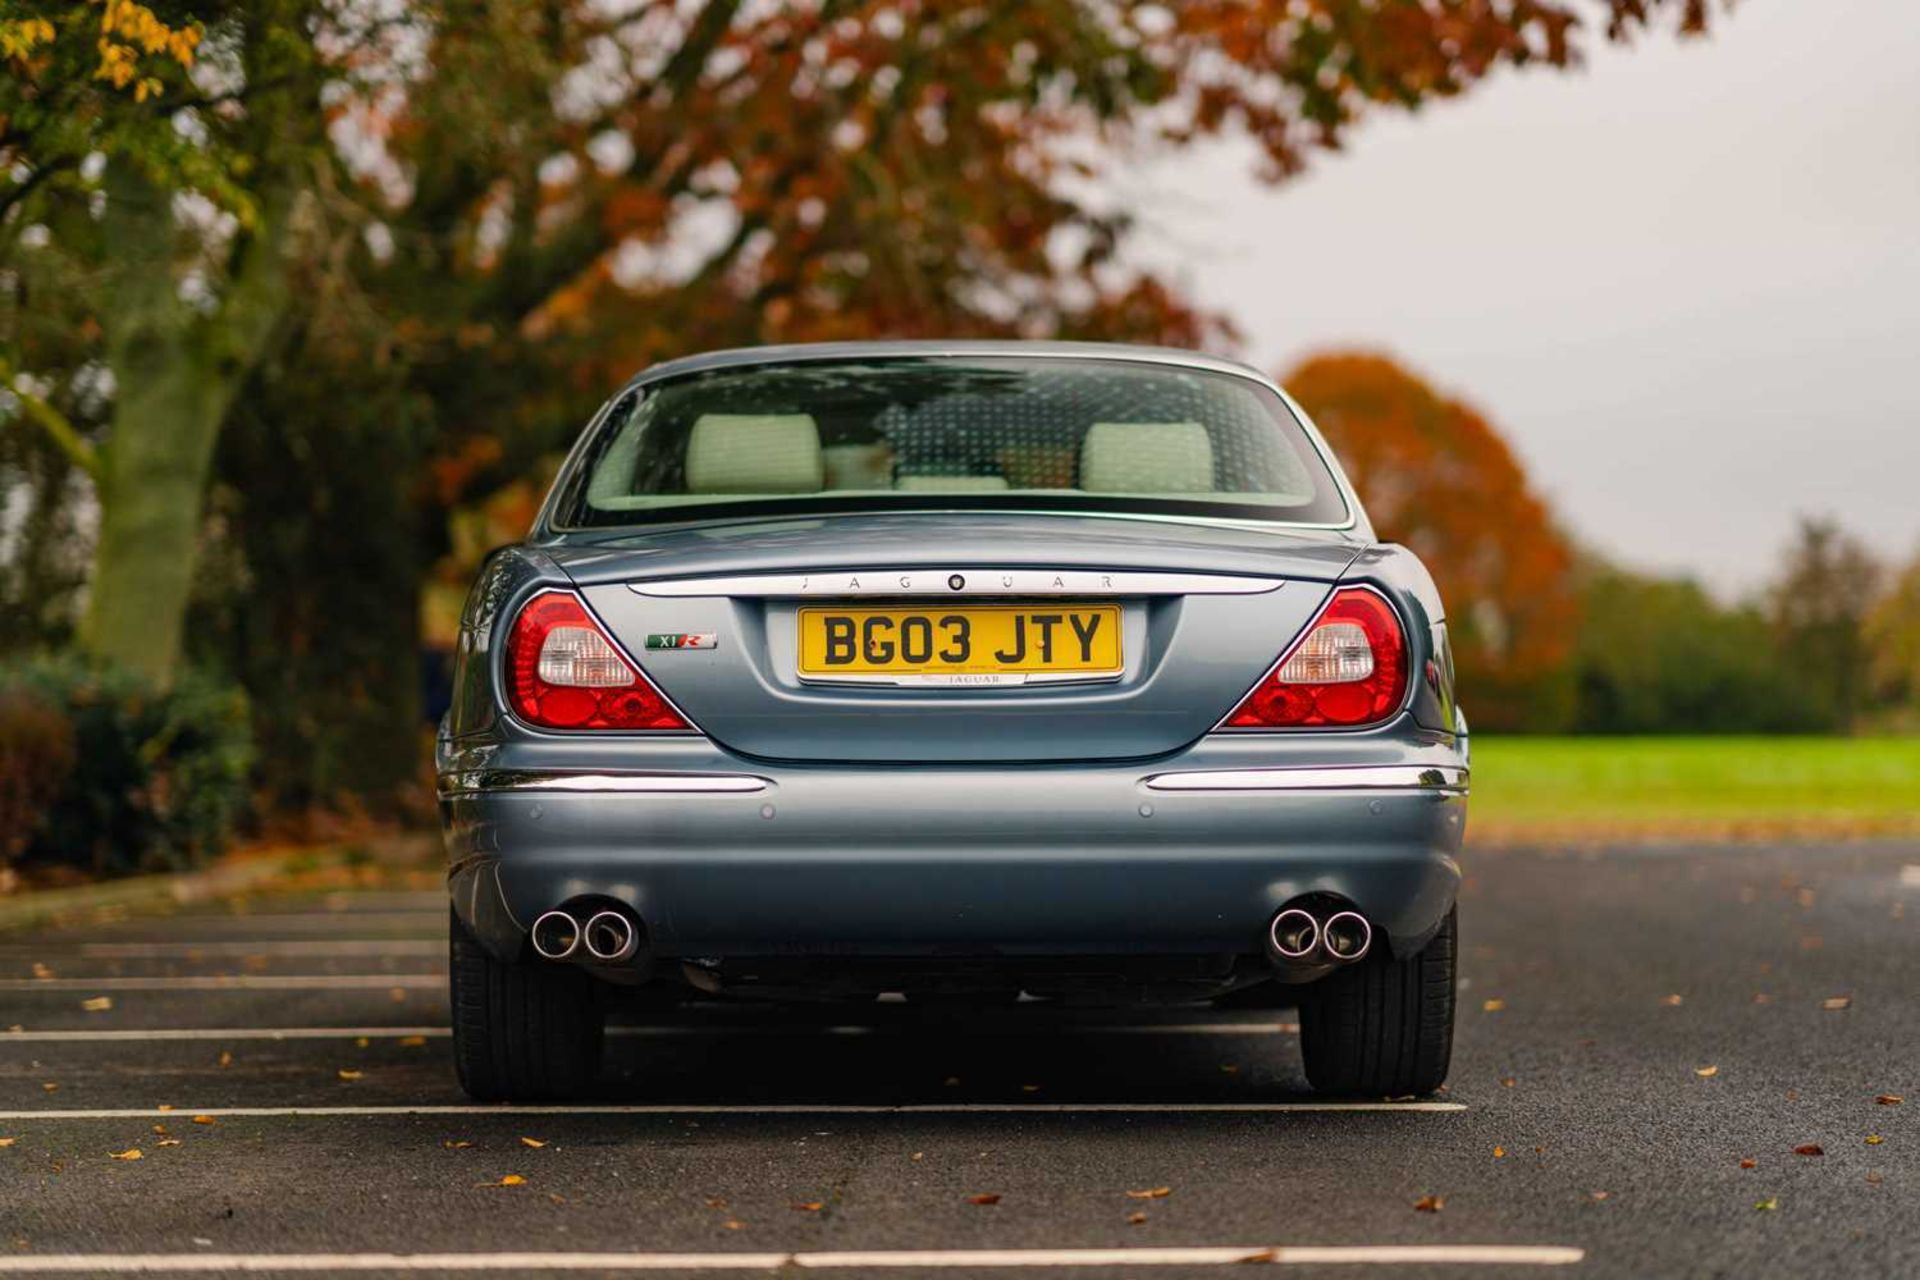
[
  {"x": 1231, "y": 1255},
  {"x": 107, "y": 1036},
  {"x": 233, "y": 982},
  {"x": 741, "y": 1108}
]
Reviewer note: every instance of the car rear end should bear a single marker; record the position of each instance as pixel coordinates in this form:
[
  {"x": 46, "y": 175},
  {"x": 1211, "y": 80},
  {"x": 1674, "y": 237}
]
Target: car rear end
[{"x": 979, "y": 673}]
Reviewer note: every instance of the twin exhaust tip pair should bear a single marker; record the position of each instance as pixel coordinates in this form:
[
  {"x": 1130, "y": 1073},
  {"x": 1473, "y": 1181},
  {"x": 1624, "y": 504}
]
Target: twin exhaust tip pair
[
  {"x": 1342, "y": 937},
  {"x": 607, "y": 937}
]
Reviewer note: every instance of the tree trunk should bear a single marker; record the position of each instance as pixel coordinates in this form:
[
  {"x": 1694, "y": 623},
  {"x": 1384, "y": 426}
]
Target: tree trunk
[{"x": 176, "y": 369}]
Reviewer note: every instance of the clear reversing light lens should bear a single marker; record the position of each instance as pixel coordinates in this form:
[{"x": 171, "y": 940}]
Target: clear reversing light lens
[
  {"x": 1336, "y": 652},
  {"x": 580, "y": 656}
]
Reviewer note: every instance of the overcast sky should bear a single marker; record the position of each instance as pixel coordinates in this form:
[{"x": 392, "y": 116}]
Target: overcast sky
[{"x": 1685, "y": 281}]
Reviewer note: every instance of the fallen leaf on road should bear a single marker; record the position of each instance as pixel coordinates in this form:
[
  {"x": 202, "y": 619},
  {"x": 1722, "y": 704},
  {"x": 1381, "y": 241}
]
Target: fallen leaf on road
[
  {"x": 1499, "y": 1153},
  {"x": 1671, "y": 1001},
  {"x": 1137, "y": 1219},
  {"x": 808, "y": 1206},
  {"x": 412, "y": 1042},
  {"x": 1836, "y": 1002},
  {"x": 41, "y": 971},
  {"x": 511, "y": 1180},
  {"x": 1029, "y": 1088},
  {"x": 226, "y": 1058},
  {"x": 361, "y": 1042},
  {"x": 350, "y": 1076},
  {"x": 1706, "y": 1073},
  {"x": 1809, "y": 1149},
  {"x": 1874, "y": 1139},
  {"x": 1507, "y": 1082},
  {"x": 987, "y": 1197},
  {"x": 556, "y": 1197},
  {"x": 716, "y": 1202},
  {"x": 1430, "y": 1204},
  {"x": 734, "y": 1224},
  {"x": 97, "y": 1004},
  {"x": 1761, "y": 997},
  {"x": 397, "y": 994},
  {"x": 1888, "y": 1099},
  {"x": 1768, "y": 1205},
  {"x": 454, "y": 1144},
  {"x": 535, "y": 1143},
  {"x": 1494, "y": 1005},
  {"x": 167, "y": 1142},
  {"x": 918, "y": 1156},
  {"x": 203, "y": 1120},
  {"x": 1748, "y": 1163},
  {"x": 1152, "y": 1193},
  {"x": 1599, "y": 1195},
  {"x": 7, "y": 1142},
  {"x": 131, "y": 1153},
  {"x": 160, "y": 1129}
]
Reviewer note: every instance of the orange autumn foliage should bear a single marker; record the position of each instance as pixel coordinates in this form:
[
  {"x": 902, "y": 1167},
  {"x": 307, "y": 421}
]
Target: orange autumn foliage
[{"x": 1435, "y": 475}]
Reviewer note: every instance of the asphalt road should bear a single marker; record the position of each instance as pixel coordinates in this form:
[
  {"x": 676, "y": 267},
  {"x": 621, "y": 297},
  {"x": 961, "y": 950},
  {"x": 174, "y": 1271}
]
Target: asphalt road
[{"x": 1636, "y": 1026}]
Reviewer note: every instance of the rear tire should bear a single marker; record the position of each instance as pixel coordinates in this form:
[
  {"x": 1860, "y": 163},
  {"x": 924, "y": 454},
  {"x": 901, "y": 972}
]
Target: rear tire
[
  {"x": 1383, "y": 1027},
  {"x": 526, "y": 1032}
]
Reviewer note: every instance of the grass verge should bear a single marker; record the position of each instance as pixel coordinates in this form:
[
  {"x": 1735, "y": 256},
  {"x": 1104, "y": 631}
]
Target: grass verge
[{"x": 1528, "y": 789}]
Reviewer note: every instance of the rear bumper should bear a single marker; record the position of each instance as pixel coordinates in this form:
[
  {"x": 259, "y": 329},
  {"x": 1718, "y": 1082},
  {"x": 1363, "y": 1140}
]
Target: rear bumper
[{"x": 725, "y": 857}]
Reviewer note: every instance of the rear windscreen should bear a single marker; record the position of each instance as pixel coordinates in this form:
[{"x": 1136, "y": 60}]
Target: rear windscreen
[{"x": 947, "y": 433}]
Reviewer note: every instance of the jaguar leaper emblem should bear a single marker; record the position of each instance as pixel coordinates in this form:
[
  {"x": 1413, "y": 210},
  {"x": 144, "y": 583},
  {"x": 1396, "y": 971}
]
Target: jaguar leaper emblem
[{"x": 687, "y": 640}]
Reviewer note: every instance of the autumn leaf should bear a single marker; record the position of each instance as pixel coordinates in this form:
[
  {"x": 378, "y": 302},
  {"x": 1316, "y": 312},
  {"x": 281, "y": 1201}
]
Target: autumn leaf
[
  {"x": 1430, "y": 1204},
  {"x": 226, "y": 1058},
  {"x": 203, "y": 1120},
  {"x": 1874, "y": 1139},
  {"x": 734, "y": 1224},
  {"x": 412, "y": 1042},
  {"x": 716, "y": 1202},
  {"x": 1671, "y": 1001},
  {"x": 1494, "y": 1005},
  {"x": 1152, "y": 1193},
  {"x": 97, "y": 1004},
  {"x": 131, "y": 1153},
  {"x": 986, "y": 1197},
  {"x": 455, "y": 1144},
  {"x": 1888, "y": 1099},
  {"x": 41, "y": 971},
  {"x": 808, "y": 1206},
  {"x": 1809, "y": 1149},
  {"x": 1836, "y": 1002},
  {"x": 7, "y": 1142},
  {"x": 1499, "y": 1153},
  {"x": 1599, "y": 1195},
  {"x": 1706, "y": 1073},
  {"x": 50, "y": 1086},
  {"x": 1748, "y": 1163},
  {"x": 535, "y": 1143},
  {"x": 1768, "y": 1205},
  {"x": 1507, "y": 1082},
  {"x": 168, "y": 1142},
  {"x": 1137, "y": 1219},
  {"x": 350, "y": 1076},
  {"x": 511, "y": 1180}
]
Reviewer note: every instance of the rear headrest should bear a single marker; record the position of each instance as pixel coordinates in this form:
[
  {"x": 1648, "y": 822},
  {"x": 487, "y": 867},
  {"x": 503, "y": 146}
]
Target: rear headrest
[
  {"x": 1146, "y": 457},
  {"x": 754, "y": 453},
  {"x": 950, "y": 484}
]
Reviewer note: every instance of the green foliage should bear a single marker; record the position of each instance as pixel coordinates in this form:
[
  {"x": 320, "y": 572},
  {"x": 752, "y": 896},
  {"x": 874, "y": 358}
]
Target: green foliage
[
  {"x": 1818, "y": 607},
  {"x": 157, "y": 780},
  {"x": 1659, "y": 655}
]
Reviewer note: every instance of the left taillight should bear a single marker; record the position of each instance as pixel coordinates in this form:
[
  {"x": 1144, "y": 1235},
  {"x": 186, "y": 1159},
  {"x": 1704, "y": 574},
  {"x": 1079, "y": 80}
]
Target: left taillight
[
  {"x": 565, "y": 672},
  {"x": 1348, "y": 670}
]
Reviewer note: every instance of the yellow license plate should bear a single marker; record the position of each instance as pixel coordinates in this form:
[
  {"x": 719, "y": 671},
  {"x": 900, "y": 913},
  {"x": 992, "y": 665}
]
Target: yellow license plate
[{"x": 982, "y": 640}]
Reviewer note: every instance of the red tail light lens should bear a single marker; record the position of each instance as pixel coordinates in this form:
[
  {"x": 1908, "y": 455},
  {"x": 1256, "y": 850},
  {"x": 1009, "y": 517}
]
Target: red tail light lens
[
  {"x": 1350, "y": 668},
  {"x": 564, "y": 672}
]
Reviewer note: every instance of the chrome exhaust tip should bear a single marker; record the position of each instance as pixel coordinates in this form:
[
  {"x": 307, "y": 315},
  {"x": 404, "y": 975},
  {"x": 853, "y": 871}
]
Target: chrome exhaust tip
[
  {"x": 555, "y": 935},
  {"x": 610, "y": 937},
  {"x": 1346, "y": 936},
  {"x": 1293, "y": 934}
]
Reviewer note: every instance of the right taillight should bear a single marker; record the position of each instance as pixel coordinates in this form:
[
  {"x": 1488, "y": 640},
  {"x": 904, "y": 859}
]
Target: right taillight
[
  {"x": 565, "y": 672},
  {"x": 1349, "y": 669}
]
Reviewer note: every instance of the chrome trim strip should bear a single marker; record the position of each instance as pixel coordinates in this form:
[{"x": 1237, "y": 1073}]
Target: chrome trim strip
[
  {"x": 972, "y": 582},
  {"x": 495, "y": 780},
  {"x": 1438, "y": 779}
]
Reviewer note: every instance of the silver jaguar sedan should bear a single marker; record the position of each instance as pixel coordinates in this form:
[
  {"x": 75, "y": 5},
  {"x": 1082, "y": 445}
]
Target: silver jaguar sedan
[{"x": 958, "y": 671}]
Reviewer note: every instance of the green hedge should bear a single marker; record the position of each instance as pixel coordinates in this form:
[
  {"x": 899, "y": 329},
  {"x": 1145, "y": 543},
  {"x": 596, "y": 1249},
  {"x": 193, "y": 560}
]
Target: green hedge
[{"x": 152, "y": 780}]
